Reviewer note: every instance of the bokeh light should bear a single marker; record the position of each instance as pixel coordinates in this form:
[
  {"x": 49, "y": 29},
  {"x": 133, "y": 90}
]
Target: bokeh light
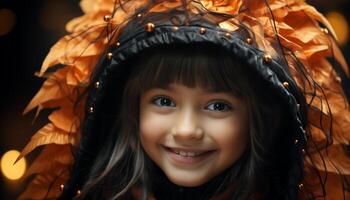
[
  {"x": 54, "y": 15},
  {"x": 340, "y": 25},
  {"x": 9, "y": 169},
  {"x": 7, "y": 21}
]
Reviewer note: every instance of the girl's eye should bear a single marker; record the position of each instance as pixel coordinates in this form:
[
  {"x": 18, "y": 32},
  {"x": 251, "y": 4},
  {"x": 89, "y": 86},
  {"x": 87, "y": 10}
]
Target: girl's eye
[
  {"x": 219, "y": 106},
  {"x": 163, "y": 102}
]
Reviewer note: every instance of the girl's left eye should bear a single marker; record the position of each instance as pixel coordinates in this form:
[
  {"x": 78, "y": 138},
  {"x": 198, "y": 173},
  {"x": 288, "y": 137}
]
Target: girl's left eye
[
  {"x": 163, "y": 102},
  {"x": 219, "y": 106}
]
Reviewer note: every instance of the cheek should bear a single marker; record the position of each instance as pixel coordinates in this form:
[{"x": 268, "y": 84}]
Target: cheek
[
  {"x": 153, "y": 128},
  {"x": 233, "y": 134},
  {"x": 226, "y": 131},
  {"x": 230, "y": 135},
  {"x": 152, "y": 123},
  {"x": 147, "y": 128},
  {"x": 148, "y": 134}
]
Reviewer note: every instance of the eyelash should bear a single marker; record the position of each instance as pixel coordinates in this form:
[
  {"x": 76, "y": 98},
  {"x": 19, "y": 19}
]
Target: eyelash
[
  {"x": 158, "y": 102},
  {"x": 227, "y": 107}
]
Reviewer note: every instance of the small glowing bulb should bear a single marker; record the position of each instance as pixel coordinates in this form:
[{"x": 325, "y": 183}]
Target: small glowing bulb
[{"x": 9, "y": 169}]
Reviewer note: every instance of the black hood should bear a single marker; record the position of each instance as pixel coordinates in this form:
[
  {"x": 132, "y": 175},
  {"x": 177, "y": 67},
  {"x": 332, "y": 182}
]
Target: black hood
[{"x": 175, "y": 28}]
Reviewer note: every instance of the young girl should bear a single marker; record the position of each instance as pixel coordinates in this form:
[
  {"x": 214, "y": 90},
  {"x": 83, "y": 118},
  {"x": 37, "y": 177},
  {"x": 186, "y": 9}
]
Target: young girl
[{"x": 193, "y": 100}]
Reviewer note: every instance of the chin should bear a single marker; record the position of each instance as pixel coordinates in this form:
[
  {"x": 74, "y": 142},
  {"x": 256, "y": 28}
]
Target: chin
[{"x": 186, "y": 182}]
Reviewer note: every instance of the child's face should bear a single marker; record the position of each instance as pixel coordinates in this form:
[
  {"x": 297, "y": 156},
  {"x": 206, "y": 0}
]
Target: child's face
[{"x": 192, "y": 134}]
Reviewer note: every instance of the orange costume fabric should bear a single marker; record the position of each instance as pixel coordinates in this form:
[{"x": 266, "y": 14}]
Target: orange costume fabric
[{"x": 298, "y": 27}]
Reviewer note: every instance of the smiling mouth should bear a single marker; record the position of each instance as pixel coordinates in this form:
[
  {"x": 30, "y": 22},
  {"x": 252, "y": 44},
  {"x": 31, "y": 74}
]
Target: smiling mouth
[
  {"x": 188, "y": 153},
  {"x": 188, "y": 156}
]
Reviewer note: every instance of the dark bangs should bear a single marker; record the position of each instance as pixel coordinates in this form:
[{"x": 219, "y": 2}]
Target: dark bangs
[{"x": 202, "y": 64}]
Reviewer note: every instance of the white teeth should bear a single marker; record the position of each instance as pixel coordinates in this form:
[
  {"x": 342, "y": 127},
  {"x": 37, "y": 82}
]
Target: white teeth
[
  {"x": 186, "y": 154},
  {"x": 191, "y": 154}
]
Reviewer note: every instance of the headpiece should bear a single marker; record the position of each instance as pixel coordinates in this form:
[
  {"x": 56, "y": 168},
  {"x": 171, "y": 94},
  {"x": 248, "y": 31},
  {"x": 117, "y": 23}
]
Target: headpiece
[{"x": 288, "y": 43}]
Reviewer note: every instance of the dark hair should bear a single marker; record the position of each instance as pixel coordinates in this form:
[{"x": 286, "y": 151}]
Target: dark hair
[{"x": 121, "y": 163}]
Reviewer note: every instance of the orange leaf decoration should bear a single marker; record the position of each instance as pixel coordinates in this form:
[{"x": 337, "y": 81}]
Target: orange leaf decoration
[
  {"x": 65, "y": 120},
  {"x": 49, "y": 91},
  {"x": 47, "y": 135},
  {"x": 45, "y": 185},
  {"x": 333, "y": 159},
  {"x": 49, "y": 159}
]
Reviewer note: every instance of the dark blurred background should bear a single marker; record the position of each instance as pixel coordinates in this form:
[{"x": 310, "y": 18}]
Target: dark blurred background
[{"x": 28, "y": 28}]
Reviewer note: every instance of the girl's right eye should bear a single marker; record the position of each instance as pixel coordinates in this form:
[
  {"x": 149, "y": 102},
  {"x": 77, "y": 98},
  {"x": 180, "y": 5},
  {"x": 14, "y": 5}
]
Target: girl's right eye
[{"x": 163, "y": 102}]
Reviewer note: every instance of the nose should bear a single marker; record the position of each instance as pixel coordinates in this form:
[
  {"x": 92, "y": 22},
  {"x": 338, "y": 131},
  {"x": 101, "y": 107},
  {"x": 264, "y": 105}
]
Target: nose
[{"x": 188, "y": 126}]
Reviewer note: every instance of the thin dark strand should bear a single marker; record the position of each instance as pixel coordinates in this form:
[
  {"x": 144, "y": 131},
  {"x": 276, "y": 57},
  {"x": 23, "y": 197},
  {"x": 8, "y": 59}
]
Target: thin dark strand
[
  {"x": 225, "y": 15},
  {"x": 245, "y": 28},
  {"x": 115, "y": 7},
  {"x": 52, "y": 183},
  {"x": 122, "y": 5},
  {"x": 228, "y": 16},
  {"x": 108, "y": 31},
  {"x": 117, "y": 30},
  {"x": 321, "y": 121},
  {"x": 313, "y": 95},
  {"x": 326, "y": 150},
  {"x": 79, "y": 34},
  {"x": 300, "y": 68},
  {"x": 319, "y": 86},
  {"x": 184, "y": 6},
  {"x": 272, "y": 21},
  {"x": 343, "y": 186},
  {"x": 321, "y": 180},
  {"x": 328, "y": 136},
  {"x": 109, "y": 24},
  {"x": 73, "y": 152},
  {"x": 346, "y": 183}
]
